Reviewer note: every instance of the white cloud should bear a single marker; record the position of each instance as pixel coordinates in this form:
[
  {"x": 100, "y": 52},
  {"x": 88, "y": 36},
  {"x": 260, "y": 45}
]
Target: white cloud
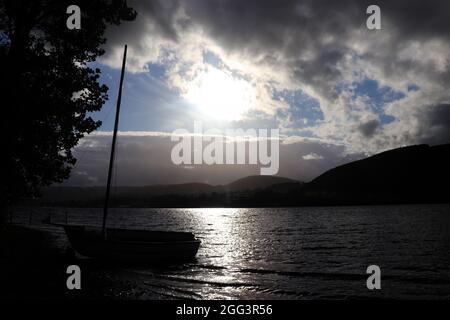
[
  {"x": 312, "y": 156},
  {"x": 289, "y": 48}
]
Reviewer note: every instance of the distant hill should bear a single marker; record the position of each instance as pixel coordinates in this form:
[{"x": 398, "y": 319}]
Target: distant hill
[
  {"x": 410, "y": 174},
  {"x": 256, "y": 182},
  {"x": 145, "y": 195},
  {"x": 414, "y": 174}
]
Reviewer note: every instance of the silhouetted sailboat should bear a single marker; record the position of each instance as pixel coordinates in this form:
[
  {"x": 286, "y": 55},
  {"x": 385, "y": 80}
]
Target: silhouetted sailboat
[{"x": 129, "y": 244}]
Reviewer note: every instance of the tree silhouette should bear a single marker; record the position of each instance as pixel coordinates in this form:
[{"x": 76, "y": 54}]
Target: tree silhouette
[{"x": 48, "y": 88}]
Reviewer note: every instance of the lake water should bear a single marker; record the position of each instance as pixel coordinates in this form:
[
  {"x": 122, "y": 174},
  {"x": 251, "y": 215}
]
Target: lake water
[{"x": 286, "y": 253}]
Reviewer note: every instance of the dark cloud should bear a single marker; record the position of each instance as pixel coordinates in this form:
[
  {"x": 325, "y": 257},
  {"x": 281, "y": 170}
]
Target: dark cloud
[
  {"x": 417, "y": 18},
  {"x": 319, "y": 45},
  {"x": 288, "y": 31},
  {"x": 158, "y": 14},
  {"x": 440, "y": 116},
  {"x": 368, "y": 128},
  {"x": 437, "y": 125}
]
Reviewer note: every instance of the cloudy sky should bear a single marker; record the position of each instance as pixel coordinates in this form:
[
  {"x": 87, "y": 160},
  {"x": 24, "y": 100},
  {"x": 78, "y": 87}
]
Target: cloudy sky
[{"x": 336, "y": 90}]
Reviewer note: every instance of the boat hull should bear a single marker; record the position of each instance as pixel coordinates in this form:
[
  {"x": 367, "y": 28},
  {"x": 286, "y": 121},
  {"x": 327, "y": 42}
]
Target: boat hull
[{"x": 133, "y": 245}]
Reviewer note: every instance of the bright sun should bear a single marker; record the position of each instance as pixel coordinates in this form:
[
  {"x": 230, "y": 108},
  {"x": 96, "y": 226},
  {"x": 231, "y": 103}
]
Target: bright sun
[{"x": 220, "y": 95}]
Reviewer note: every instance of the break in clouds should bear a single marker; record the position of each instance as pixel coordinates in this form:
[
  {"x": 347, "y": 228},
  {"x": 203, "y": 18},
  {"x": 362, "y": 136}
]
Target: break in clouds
[{"x": 334, "y": 88}]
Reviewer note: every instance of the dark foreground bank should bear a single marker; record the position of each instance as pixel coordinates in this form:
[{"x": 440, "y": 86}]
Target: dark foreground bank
[{"x": 33, "y": 266}]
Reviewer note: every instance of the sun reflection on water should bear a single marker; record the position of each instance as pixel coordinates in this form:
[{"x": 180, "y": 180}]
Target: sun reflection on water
[{"x": 219, "y": 229}]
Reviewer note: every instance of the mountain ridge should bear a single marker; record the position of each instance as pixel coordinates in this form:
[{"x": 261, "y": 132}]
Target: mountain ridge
[{"x": 412, "y": 174}]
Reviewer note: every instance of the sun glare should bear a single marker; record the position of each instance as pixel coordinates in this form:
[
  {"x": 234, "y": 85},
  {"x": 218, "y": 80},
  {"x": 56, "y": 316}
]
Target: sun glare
[{"x": 219, "y": 95}]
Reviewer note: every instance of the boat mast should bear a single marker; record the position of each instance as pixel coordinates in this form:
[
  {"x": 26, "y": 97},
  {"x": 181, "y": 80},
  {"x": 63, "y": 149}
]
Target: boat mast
[{"x": 113, "y": 146}]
